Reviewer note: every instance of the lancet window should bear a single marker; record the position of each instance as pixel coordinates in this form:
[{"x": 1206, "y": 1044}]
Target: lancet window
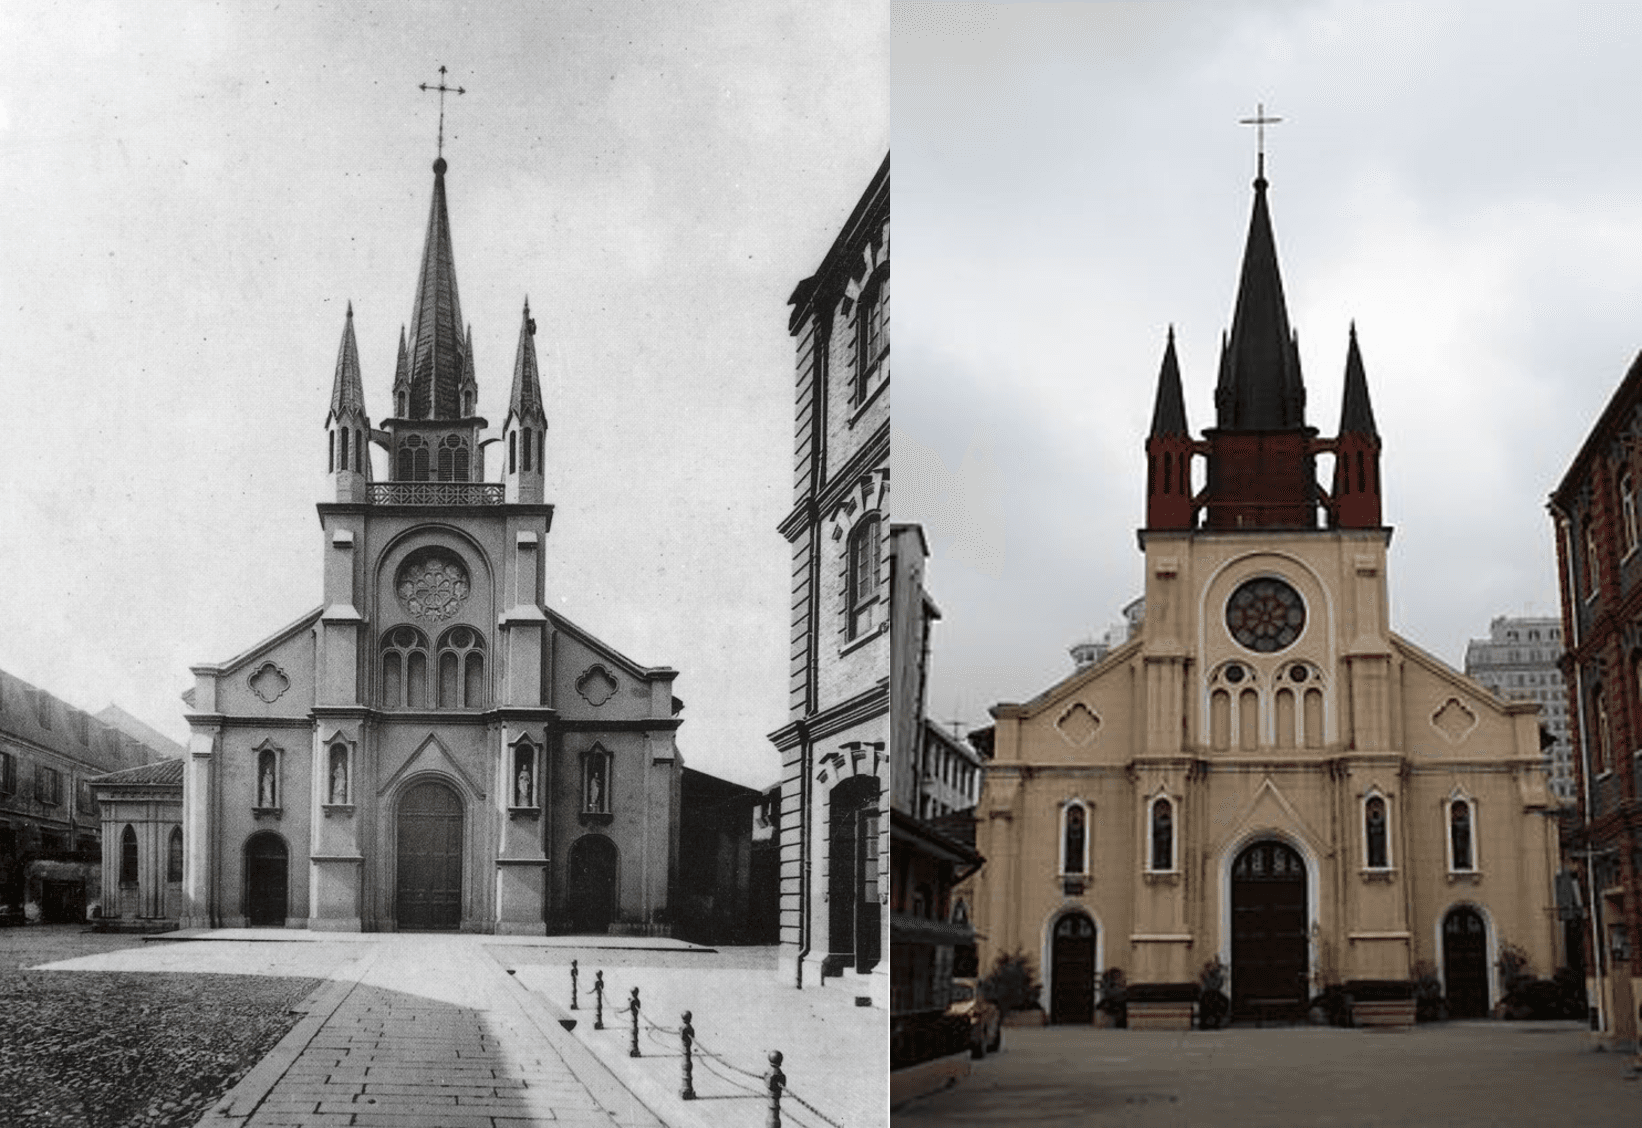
[
  {"x": 404, "y": 668},
  {"x": 1161, "y": 854},
  {"x": 461, "y": 668},
  {"x": 1376, "y": 839},
  {"x": 1462, "y": 848},
  {"x": 1074, "y": 856}
]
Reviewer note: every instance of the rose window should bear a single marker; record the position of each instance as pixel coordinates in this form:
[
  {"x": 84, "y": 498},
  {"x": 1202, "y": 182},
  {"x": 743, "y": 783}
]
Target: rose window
[
  {"x": 1265, "y": 615},
  {"x": 432, "y": 585}
]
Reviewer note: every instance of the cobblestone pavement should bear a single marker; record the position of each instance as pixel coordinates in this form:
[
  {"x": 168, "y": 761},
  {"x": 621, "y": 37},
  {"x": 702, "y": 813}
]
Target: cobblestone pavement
[
  {"x": 1458, "y": 1075},
  {"x": 125, "y": 1048},
  {"x": 834, "y": 1052}
]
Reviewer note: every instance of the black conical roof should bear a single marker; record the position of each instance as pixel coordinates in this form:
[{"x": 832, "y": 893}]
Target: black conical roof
[
  {"x": 1356, "y": 412},
  {"x": 437, "y": 353},
  {"x": 1169, "y": 411},
  {"x": 1260, "y": 384}
]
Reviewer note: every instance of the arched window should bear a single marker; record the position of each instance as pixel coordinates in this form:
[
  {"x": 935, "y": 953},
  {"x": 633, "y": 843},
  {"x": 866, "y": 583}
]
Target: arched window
[
  {"x": 404, "y": 668},
  {"x": 1593, "y": 574},
  {"x": 461, "y": 669},
  {"x": 128, "y": 856},
  {"x": 358, "y": 452},
  {"x": 872, "y": 332},
  {"x": 529, "y": 442},
  {"x": 1602, "y": 745},
  {"x": 513, "y": 452},
  {"x": 421, "y": 472},
  {"x": 344, "y": 459},
  {"x": 1162, "y": 836},
  {"x": 173, "y": 859},
  {"x": 1074, "y": 839},
  {"x": 1461, "y": 841},
  {"x": 330, "y": 458},
  {"x": 864, "y": 549},
  {"x": 268, "y": 785},
  {"x": 1376, "y": 845}
]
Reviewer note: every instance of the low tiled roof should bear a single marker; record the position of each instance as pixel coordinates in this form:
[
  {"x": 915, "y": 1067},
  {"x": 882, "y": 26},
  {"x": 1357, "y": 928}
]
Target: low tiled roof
[{"x": 165, "y": 773}]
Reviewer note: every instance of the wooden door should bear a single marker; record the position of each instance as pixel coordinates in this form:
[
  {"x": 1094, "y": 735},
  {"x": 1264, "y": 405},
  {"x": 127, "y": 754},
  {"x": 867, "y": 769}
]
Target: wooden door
[
  {"x": 1073, "y": 960},
  {"x": 429, "y": 891},
  {"x": 266, "y": 880},
  {"x": 1465, "y": 963},
  {"x": 1270, "y": 949},
  {"x": 592, "y": 897}
]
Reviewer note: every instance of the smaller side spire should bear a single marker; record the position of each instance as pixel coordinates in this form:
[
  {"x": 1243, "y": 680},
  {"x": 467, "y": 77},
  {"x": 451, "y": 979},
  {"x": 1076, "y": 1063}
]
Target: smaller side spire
[
  {"x": 347, "y": 428},
  {"x": 1169, "y": 451},
  {"x": 401, "y": 380},
  {"x": 1356, "y": 412},
  {"x": 1169, "y": 409},
  {"x": 1356, "y": 500},
  {"x": 347, "y": 389},
  {"x": 470, "y": 384},
  {"x": 526, "y": 425}
]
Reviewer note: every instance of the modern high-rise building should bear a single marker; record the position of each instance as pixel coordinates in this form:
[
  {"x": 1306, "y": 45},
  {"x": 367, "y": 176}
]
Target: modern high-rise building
[{"x": 1518, "y": 661}]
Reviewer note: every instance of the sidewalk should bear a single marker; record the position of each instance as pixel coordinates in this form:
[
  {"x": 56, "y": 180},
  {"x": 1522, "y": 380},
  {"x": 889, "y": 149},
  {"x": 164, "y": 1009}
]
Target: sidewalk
[
  {"x": 834, "y": 1052},
  {"x": 408, "y": 1030}
]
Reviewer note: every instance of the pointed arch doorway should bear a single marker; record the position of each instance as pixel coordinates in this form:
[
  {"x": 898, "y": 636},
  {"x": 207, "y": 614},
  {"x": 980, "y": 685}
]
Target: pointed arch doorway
[
  {"x": 428, "y": 896},
  {"x": 1270, "y": 948}
]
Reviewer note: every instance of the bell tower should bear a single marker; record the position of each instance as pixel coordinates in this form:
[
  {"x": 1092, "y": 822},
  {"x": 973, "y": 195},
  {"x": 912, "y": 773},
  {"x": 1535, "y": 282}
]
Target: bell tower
[{"x": 526, "y": 424}]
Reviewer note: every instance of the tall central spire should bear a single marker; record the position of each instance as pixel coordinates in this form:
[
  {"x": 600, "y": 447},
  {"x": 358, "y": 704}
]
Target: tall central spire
[
  {"x": 438, "y": 353},
  {"x": 1260, "y": 387}
]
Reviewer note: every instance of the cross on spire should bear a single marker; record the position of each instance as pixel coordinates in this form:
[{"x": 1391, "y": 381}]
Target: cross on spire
[
  {"x": 1259, "y": 121},
  {"x": 443, "y": 90}
]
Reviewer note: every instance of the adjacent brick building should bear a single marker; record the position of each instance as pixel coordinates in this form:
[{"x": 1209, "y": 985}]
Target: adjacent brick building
[{"x": 1598, "y": 536}]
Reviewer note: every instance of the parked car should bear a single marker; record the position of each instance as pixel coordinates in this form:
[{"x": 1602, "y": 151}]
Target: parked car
[{"x": 984, "y": 1018}]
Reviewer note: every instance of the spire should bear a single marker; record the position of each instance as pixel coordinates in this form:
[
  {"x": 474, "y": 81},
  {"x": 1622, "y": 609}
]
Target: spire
[
  {"x": 347, "y": 391},
  {"x": 470, "y": 384},
  {"x": 437, "y": 352},
  {"x": 1169, "y": 411},
  {"x": 1260, "y": 384},
  {"x": 525, "y": 402},
  {"x": 1356, "y": 413}
]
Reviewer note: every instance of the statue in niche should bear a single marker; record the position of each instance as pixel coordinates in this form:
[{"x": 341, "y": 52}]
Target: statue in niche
[
  {"x": 339, "y": 781},
  {"x": 595, "y": 784},
  {"x": 523, "y": 798},
  {"x": 265, "y": 795}
]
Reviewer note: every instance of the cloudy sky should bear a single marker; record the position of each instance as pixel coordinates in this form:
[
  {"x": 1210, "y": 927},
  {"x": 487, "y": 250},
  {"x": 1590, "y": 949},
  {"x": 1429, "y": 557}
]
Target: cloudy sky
[
  {"x": 194, "y": 191},
  {"x": 1461, "y": 179}
]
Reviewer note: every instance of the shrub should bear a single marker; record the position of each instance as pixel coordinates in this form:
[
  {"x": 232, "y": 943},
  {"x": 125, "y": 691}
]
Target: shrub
[
  {"x": 1213, "y": 1006},
  {"x": 1114, "y": 996},
  {"x": 1013, "y": 984},
  {"x": 1514, "y": 967},
  {"x": 1539, "y": 999},
  {"x": 1429, "y": 1004}
]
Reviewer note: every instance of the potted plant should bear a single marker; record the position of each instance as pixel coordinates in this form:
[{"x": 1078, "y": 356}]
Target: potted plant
[
  {"x": 1113, "y": 1008},
  {"x": 1213, "y": 1007}
]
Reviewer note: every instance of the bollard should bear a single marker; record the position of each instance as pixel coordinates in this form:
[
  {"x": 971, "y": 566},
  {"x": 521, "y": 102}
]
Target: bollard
[
  {"x": 573, "y": 985},
  {"x": 598, "y": 1000},
  {"x": 777, "y": 1081},
  {"x": 633, "y": 1046},
  {"x": 688, "y": 1034}
]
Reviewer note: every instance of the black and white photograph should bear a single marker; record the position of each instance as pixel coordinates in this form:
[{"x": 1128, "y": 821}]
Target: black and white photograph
[
  {"x": 445, "y": 676},
  {"x": 1266, "y": 446}
]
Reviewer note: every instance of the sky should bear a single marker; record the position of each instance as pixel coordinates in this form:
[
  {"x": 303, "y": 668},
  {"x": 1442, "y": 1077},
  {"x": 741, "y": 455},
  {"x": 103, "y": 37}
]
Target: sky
[
  {"x": 1461, "y": 180},
  {"x": 195, "y": 191}
]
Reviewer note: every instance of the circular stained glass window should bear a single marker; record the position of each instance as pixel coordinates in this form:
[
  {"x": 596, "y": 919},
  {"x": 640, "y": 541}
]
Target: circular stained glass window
[
  {"x": 1265, "y": 615},
  {"x": 432, "y": 584}
]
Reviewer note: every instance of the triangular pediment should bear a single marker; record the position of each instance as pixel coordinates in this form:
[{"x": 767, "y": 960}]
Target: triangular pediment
[
  {"x": 432, "y": 756},
  {"x": 1268, "y": 809}
]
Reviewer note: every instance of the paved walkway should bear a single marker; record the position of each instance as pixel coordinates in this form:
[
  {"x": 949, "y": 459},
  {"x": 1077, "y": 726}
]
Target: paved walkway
[
  {"x": 1458, "y": 1075},
  {"x": 409, "y": 1030}
]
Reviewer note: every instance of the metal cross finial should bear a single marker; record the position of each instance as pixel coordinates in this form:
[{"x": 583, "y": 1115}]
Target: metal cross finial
[
  {"x": 1260, "y": 121},
  {"x": 443, "y": 90}
]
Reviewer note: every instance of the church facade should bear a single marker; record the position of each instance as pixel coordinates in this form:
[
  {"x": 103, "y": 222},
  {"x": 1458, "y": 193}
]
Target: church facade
[
  {"x": 432, "y": 747},
  {"x": 1265, "y": 773}
]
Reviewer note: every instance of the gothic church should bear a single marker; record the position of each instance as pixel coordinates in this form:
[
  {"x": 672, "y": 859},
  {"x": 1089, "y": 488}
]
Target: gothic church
[
  {"x": 1265, "y": 772},
  {"x": 432, "y": 747}
]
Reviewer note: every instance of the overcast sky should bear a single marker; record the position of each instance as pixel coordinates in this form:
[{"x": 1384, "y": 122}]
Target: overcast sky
[
  {"x": 192, "y": 194},
  {"x": 1462, "y": 179}
]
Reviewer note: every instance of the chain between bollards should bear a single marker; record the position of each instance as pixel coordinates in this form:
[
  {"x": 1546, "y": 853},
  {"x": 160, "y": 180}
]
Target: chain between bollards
[
  {"x": 687, "y": 1034},
  {"x": 776, "y": 1081},
  {"x": 573, "y": 974},
  {"x": 633, "y": 1046},
  {"x": 598, "y": 1000}
]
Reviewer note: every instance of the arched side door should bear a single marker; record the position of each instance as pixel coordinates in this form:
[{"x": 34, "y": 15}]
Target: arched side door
[
  {"x": 1465, "y": 963},
  {"x": 267, "y": 880},
  {"x": 1073, "y": 958}
]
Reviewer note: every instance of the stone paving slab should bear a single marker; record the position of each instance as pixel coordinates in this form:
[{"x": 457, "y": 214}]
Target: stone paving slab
[{"x": 308, "y": 936}]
